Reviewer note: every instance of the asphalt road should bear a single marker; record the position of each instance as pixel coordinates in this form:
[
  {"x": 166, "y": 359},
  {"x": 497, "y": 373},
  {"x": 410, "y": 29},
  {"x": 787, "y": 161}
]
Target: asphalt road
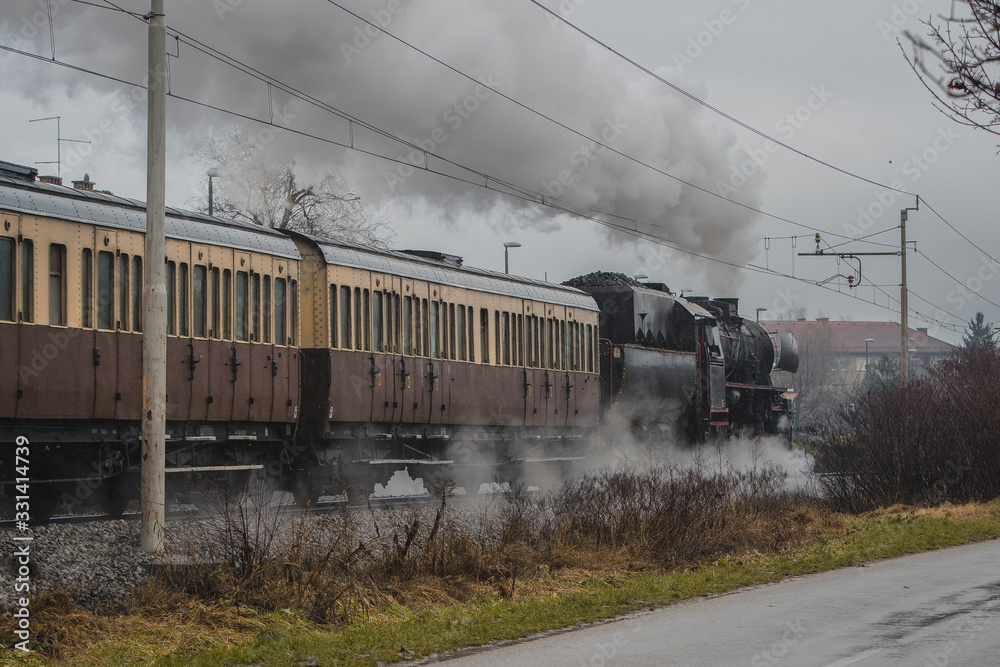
[{"x": 938, "y": 608}]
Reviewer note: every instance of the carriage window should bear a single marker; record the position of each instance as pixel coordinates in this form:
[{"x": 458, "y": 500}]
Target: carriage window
[
  {"x": 28, "y": 280},
  {"x": 505, "y": 338},
  {"x": 426, "y": 327},
  {"x": 358, "y": 326},
  {"x": 345, "y": 317},
  {"x": 529, "y": 342},
  {"x": 86, "y": 278},
  {"x": 7, "y": 279},
  {"x": 484, "y": 334},
  {"x": 548, "y": 343},
  {"x": 182, "y": 301},
  {"x": 171, "y": 296},
  {"x": 266, "y": 314},
  {"x": 136, "y": 293},
  {"x": 396, "y": 315},
  {"x": 366, "y": 307},
  {"x": 227, "y": 304},
  {"x": 199, "y": 285},
  {"x": 472, "y": 333},
  {"x": 293, "y": 289},
  {"x": 105, "y": 290},
  {"x": 451, "y": 333},
  {"x": 444, "y": 331},
  {"x": 407, "y": 325},
  {"x": 241, "y": 305},
  {"x": 496, "y": 335},
  {"x": 520, "y": 340},
  {"x": 255, "y": 307},
  {"x": 124, "y": 295},
  {"x": 461, "y": 333},
  {"x": 215, "y": 304},
  {"x": 590, "y": 349},
  {"x": 389, "y": 329},
  {"x": 435, "y": 318},
  {"x": 418, "y": 327},
  {"x": 57, "y": 284},
  {"x": 333, "y": 315},
  {"x": 377, "y": 319},
  {"x": 572, "y": 346},
  {"x": 279, "y": 311}
]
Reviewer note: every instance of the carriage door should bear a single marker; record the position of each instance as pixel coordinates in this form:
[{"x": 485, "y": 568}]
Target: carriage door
[
  {"x": 196, "y": 347},
  {"x": 129, "y": 277},
  {"x": 178, "y": 279},
  {"x": 240, "y": 363},
  {"x": 408, "y": 380},
  {"x": 263, "y": 365},
  {"x": 9, "y": 226},
  {"x": 394, "y": 309},
  {"x": 217, "y": 364},
  {"x": 280, "y": 307},
  {"x": 105, "y": 352},
  {"x": 381, "y": 361}
]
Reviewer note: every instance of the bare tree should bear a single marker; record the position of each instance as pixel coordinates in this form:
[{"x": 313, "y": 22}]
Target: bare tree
[
  {"x": 252, "y": 189},
  {"x": 959, "y": 63}
]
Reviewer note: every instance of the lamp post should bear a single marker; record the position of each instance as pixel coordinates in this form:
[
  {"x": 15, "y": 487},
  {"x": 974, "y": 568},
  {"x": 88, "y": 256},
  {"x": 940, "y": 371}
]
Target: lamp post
[
  {"x": 506, "y": 254},
  {"x": 867, "y": 340},
  {"x": 759, "y": 311},
  {"x": 212, "y": 173}
]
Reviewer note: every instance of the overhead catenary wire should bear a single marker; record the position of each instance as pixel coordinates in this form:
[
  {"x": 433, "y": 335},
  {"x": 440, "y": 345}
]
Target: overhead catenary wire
[
  {"x": 486, "y": 184},
  {"x": 262, "y": 76},
  {"x": 510, "y": 189},
  {"x": 708, "y": 106}
]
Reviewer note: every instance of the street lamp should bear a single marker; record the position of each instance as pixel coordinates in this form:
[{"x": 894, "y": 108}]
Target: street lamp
[
  {"x": 506, "y": 257},
  {"x": 212, "y": 173},
  {"x": 759, "y": 311},
  {"x": 867, "y": 340}
]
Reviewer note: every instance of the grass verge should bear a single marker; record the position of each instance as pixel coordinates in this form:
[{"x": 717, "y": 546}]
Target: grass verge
[{"x": 195, "y": 634}]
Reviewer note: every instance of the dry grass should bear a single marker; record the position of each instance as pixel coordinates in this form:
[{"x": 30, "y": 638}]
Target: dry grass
[{"x": 608, "y": 527}]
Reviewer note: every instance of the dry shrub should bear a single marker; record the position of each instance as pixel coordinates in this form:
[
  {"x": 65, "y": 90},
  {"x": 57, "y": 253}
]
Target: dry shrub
[
  {"x": 671, "y": 516},
  {"x": 925, "y": 442}
]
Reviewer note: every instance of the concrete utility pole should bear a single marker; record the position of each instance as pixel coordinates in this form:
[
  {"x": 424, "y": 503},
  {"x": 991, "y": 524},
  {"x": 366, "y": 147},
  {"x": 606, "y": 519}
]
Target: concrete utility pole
[
  {"x": 854, "y": 282},
  {"x": 154, "y": 302},
  {"x": 904, "y": 334}
]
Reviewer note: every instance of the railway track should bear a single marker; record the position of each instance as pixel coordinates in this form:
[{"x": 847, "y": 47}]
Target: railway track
[{"x": 290, "y": 509}]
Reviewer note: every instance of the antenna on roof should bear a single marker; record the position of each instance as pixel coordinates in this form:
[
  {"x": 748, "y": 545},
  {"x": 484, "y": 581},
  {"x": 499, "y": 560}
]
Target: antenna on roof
[{"x": 59, "y": 139}]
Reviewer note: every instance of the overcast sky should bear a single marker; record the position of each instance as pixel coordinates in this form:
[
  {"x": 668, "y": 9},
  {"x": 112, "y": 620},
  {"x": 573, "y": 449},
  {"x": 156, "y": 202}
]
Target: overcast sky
[{"x": 825, "y": 78}]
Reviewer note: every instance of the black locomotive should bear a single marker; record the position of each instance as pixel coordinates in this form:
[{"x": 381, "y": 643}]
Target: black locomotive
[{"x": 693, "y": 366}]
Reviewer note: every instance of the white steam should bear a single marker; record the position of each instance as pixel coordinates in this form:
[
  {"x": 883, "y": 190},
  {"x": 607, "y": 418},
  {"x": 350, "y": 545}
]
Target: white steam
[{"x": 512, "y": 47}]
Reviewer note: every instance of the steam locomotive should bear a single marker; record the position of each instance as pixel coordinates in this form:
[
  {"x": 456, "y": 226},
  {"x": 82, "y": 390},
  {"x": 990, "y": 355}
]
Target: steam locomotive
[{"x": 319, "y": 366}]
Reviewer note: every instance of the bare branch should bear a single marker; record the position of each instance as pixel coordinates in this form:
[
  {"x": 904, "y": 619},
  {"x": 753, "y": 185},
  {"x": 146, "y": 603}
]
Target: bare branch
[{"x": 250, "y": 188}]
